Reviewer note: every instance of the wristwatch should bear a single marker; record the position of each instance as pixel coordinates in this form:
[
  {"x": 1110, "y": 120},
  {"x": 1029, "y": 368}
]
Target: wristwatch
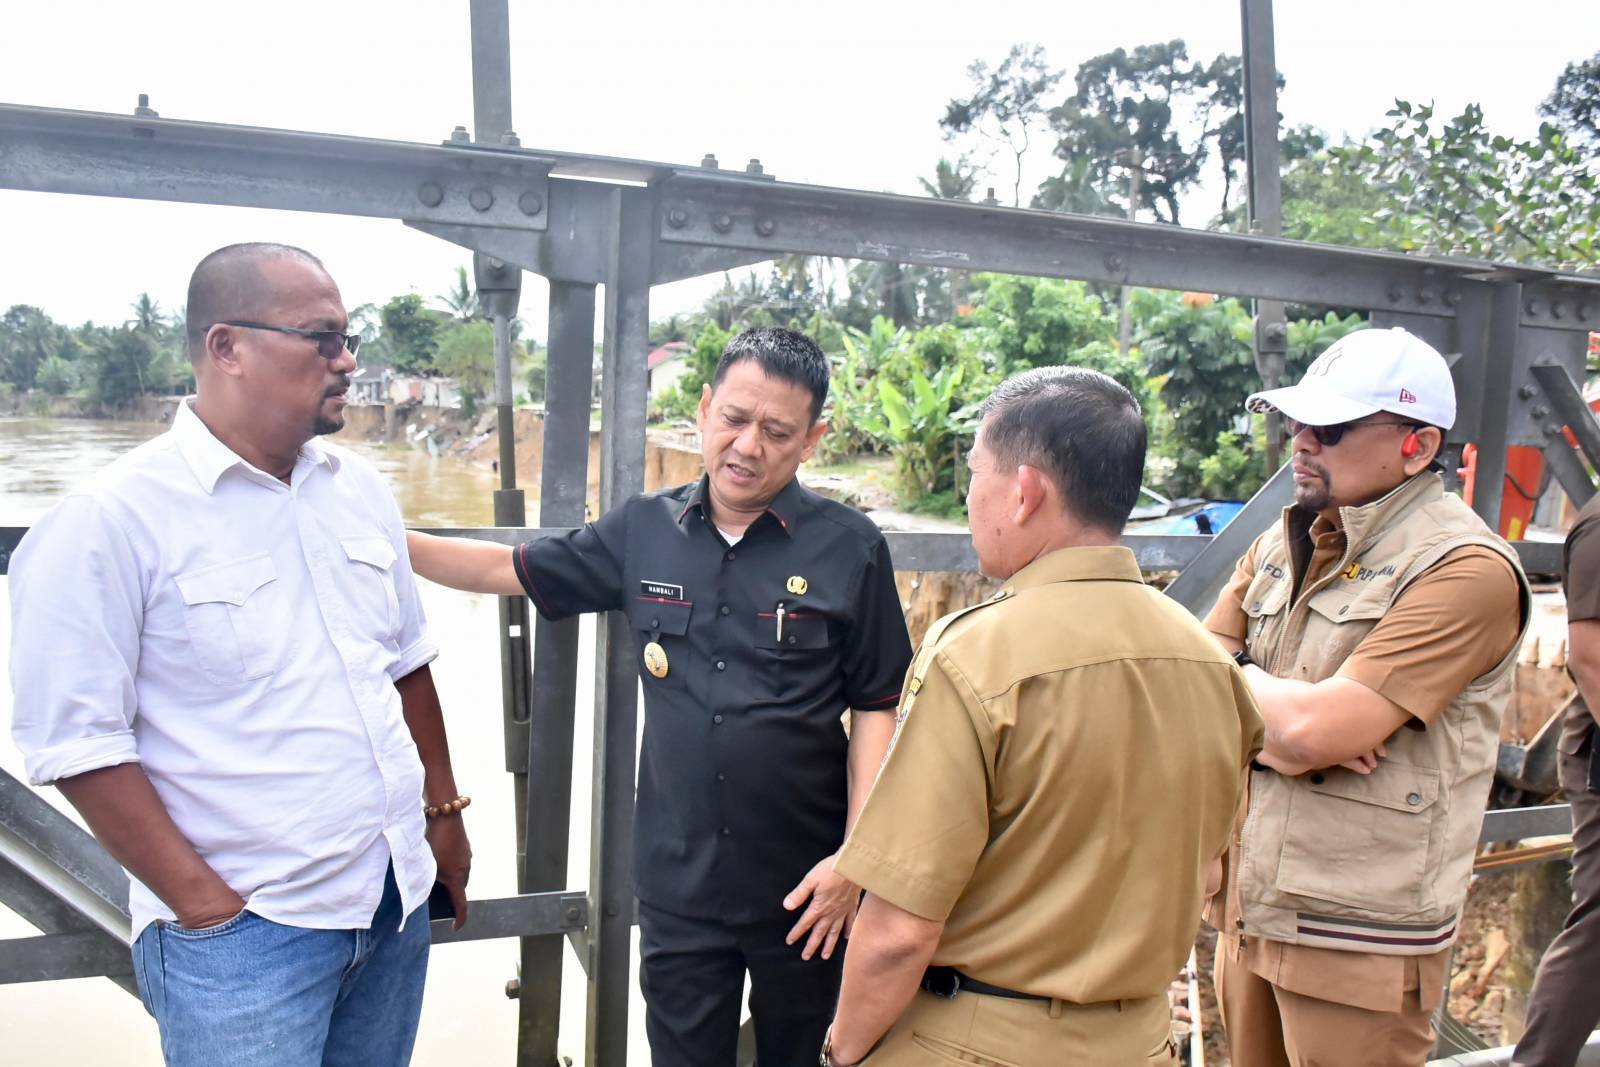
[
  {"x": 826, "y": 1057},
  {"x": 1242, "y": 658}
]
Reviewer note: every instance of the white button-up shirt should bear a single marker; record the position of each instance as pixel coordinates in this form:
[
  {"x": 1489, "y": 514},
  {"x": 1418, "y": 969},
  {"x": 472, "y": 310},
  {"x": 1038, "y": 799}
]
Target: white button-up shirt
[{"x": 240, "y": 638}]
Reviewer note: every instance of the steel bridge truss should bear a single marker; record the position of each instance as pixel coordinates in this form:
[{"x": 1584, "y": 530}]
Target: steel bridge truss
[{"x": 1517, "y": 337}]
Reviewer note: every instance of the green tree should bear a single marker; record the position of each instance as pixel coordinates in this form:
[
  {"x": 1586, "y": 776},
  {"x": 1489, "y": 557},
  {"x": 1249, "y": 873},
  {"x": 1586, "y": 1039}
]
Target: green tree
[
  {"x": 1574, "y": 104},
  {"x": 952, "y": 181},
  {"x": 27, "y": 338},
  {"x": 462, "y": 299},
  {"x": 56, "y": 376},
  {"x": 466, "y": 354},
  {"x": 1122, "y": 115},
  {"x": 408, "y": 338},
  {"x": 1199, "y": 351},
  {"x": 683, "y": 399},
  {"x": 1007, "y": 105},
  {"x": 1035, "y": 322},
  {"x": 148, "y": 318},
  {"x": 1461, "y": 188},
  {"x": 123, "y": 363}
]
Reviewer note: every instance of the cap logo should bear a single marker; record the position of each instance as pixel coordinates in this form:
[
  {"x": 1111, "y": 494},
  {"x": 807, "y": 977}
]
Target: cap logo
[
  {"x": 1324, "y": 363},
  {"x": 1407, "y": 397}
]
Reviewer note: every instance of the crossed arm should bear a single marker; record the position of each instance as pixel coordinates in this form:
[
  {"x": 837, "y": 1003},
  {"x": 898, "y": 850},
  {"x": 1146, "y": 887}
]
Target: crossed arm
[{"x": 1337, "y": 721}]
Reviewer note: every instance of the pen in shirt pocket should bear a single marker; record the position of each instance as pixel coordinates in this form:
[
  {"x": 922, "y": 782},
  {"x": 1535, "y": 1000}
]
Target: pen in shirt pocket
[{"x": 780, "y": 622}]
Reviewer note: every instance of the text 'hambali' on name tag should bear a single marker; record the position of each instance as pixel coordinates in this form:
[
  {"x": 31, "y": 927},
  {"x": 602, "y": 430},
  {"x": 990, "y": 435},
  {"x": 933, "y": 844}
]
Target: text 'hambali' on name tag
[{"x": 667, "y": 590}]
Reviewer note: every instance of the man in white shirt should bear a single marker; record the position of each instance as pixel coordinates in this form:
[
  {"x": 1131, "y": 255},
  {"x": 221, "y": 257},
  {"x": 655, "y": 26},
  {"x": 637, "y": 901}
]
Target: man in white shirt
[{"x": 219, "y": 658}]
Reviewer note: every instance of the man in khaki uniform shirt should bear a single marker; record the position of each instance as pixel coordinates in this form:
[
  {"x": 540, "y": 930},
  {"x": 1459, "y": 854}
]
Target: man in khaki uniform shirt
[
  {"x": 1563, "y": 1008},
  {"x": 1385, "y": 617},
  {"x": 1066, "y": 764}
]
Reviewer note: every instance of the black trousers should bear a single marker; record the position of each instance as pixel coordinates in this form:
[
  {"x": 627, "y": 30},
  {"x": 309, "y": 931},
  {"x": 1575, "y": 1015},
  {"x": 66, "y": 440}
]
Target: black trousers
[{"x": 692, "y": 974}]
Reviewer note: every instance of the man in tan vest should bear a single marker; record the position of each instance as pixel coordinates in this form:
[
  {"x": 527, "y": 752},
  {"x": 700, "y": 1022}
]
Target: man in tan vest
[
  {"x": 1378, "y": 625},
  {"x": 1066, "y": 763}
]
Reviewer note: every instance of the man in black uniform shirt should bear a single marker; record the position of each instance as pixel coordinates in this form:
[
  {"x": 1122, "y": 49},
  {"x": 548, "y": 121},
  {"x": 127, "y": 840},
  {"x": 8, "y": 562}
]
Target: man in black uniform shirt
[{"x": 761, "y": 611}]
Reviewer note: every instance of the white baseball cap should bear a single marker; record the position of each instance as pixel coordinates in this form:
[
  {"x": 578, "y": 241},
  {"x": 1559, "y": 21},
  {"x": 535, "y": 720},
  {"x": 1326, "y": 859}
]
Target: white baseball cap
[{"x": 1364, "y": 373}]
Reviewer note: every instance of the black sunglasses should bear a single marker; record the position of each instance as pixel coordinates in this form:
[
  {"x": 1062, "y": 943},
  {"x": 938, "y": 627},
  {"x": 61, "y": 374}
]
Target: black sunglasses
[
  {"x": 1328, "y": 436},
  {"x": 331, "y": 344}
]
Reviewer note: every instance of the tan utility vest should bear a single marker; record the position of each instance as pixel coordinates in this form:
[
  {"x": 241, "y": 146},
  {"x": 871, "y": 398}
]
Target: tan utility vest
[{"x": 1379, "y": 862}]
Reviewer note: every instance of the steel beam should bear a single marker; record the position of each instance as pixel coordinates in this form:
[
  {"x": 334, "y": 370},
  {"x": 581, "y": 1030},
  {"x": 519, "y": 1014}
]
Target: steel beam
[
  {"x": 564, "y": 477},
  {"x": 491, "y": 70},
  {"x": 1570, "y": 410},
  {"x": 1202, "y": 580},
  {"x": 201, "y": 163},
  {"x": 1519, "y": 824},
  {"x": 1504, "y": 328},
  {"x": 1569, "y": 471},
  {"x": 525, "y": 915},
  {"x": 778, "y": 218},
  {"x": 625, "y": 389},
  {"x": 58, "y": 878},
  {"x": 1588, "y": 1056},
  {"x": 570, "y": 249},
  {"x": 57, "y": 956}
]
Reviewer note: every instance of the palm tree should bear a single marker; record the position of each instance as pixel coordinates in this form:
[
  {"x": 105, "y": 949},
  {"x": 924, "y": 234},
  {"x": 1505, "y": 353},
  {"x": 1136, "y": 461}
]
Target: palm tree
[
  {"x": 462, "y": 299},
  {"x": 148, "y": 317}
]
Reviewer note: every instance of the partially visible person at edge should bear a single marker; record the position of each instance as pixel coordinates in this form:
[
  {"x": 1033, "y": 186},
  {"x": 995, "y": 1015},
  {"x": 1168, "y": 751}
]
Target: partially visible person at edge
[
  {"x": 245, "y": 716},
  {"x": 1378, "y": 626},
  {"x": 1563, "y": 1007},
  {"x": 1067, "y": 763},
  {"x": 761, "y": 611}
]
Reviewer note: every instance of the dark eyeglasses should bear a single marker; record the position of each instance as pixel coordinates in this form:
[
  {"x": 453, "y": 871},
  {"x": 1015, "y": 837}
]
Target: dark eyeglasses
[
  {"x": 1328, "y": 436},
  {"x": 331, "y": 344}
]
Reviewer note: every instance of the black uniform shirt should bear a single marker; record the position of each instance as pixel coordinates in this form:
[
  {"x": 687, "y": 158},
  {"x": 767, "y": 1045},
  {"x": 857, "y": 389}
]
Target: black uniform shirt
[{"x": 742, "y": 783}]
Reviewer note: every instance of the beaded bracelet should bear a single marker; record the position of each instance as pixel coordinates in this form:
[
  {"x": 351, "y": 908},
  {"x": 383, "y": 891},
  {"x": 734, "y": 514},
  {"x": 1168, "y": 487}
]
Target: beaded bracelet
[{"x": 433, "y": 811}]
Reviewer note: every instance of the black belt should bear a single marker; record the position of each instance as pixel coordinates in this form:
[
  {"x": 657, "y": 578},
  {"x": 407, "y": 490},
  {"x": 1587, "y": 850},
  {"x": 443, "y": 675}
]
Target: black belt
[{"x": 947, "y": 982}]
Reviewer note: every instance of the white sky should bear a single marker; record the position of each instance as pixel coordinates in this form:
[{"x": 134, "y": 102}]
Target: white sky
[{"x": 825, "y": 91}]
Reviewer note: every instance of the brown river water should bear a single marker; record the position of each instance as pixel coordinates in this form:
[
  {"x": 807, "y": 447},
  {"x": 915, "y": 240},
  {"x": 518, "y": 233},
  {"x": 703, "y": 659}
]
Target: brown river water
[{"x": 466, "y": 1018}]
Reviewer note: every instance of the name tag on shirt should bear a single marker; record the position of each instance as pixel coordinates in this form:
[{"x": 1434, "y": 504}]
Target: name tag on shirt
[{"x": 661, "y": 589}]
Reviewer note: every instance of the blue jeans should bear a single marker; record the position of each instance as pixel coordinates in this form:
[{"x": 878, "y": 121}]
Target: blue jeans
[{"x": 254, "y": 993}]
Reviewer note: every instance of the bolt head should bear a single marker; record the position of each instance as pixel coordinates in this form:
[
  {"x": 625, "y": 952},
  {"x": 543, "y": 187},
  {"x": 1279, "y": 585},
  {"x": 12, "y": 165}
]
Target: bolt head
[
  {"x": 1452, "y": 297},
  {"x": 510, "y": 138},
  {"x": 430, "y": 194},
  {"x": 708, "y": 161},
  {"x": 1527, "y": 392},
  {"x": 481, "y": 199},
  {"x": 572, "y": 914},
  {"x": 723, "y": 222},
  {"x": 1114, "y": 263},
  {"x": 1552, "y": 430},
  {"x": 513, "y": 989},
  {"x": 1277, "y": 331},
  {"x": 1424, "y": 295},
  {"x": 1395, "y": 292},
  {"x": 1540, "y": 411},
  {"x": 1532, "y": 307},
  {"x": 530, "y": 203},
  {"x": 677, "y": 218},
  {"x": 1557, "y": 309},
  {"x": 753, "y": 167},
  {"x": 766, "y": 227},
  {"x": 460, "y": 135}
]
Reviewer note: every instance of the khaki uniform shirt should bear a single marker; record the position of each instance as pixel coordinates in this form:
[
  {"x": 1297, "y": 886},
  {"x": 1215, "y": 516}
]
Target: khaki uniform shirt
[
  {"x": 1454, "y": 623},
  {"x": 1067, "y": 764}
]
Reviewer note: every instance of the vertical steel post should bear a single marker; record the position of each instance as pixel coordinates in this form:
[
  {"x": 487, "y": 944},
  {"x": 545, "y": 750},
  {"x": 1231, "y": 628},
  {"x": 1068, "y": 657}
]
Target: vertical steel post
[
  {"x": 1264, "y": 192},
  {"x": 564, "y": 478},
  {"x": 491, "y": 70},
  {"x": 1505, "y": 322},
  {"x": 622, "y": 449}
]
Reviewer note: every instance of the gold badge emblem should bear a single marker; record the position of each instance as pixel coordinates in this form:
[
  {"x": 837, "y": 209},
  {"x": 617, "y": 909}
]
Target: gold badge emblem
[
  {"x": 655, "y": 660},
  {"x": 797, "y": 585}
]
